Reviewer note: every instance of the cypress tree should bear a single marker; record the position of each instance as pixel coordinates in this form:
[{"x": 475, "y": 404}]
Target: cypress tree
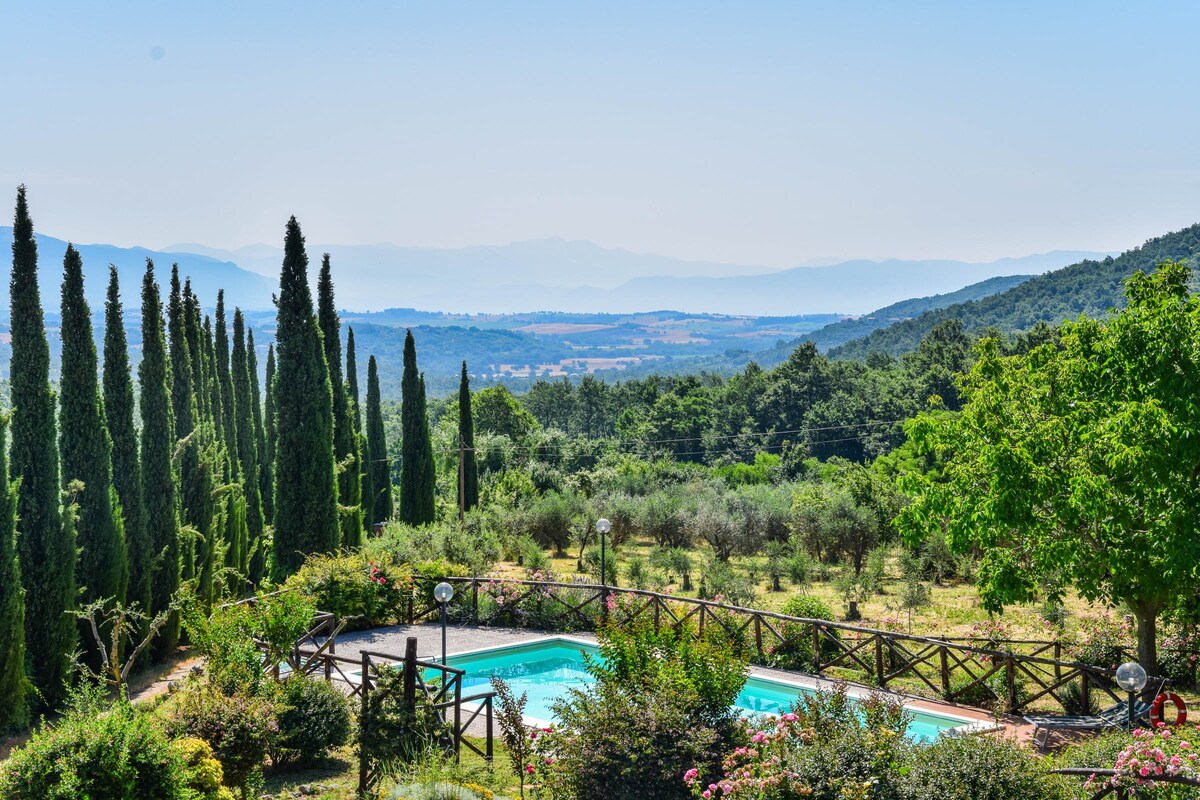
[
  {"x": 377, "y": 453},
  {"x": 416, "y": 455},
  {"x": 345, "y": 451},
  {"x": 268, "y": 460},
  {"x": 256, "y": 410},
  {"x": 199, "y": 464},
  {"x": 366, "y": 492},
  {"x": 158, "y": 443},
  {"x": 86, "y": 449},
  {"x": 126, "y": 464},
  {"x": 13, "y": 709},
  {"x": 183, "y": 408},
  {"x": 212, "y": 387},
  {"x": 247, "y": 450},
  {"x": 46, "y": 547},
  {"x": 466, "y": 436},
  {"x": 306, "y": 509},
  {"x": 229, "y": 409}
]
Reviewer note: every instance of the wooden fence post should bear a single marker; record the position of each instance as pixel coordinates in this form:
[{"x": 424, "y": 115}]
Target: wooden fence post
[
  {"x": 757, "y": 634},
  {"x": 816, "y": 649},
  {"x": 475, "y": 600},
  {"x": 364, "y": 756},
  {"x": 1085, "y": 691},
  {"x": 1010, "y": 679},
  {"x": 879, "y": 668},
  {"x": 945, "y": 659},
  {"x": 410, "y": 673}
]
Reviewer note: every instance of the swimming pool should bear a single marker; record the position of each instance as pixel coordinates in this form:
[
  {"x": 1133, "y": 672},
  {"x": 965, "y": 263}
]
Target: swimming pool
[{"x": 546, "y": 668}]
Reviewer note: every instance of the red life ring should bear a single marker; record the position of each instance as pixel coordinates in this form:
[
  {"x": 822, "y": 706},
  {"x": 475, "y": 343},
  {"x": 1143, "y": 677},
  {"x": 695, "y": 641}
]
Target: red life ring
[{"x": 1156, "y": 710}]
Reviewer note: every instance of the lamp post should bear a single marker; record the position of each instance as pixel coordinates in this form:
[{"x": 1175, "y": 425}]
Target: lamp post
[
  {"x": 603, "y": 526},
  {"x": 1132, "y": 678},
  {"x": 442, "y": 593}
]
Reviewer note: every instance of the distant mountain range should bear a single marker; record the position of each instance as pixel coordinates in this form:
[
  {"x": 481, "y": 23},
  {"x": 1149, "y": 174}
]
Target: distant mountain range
[
  {"x": 1091, "y": 287},
  {"x": 582, "y": 277},
  {"x": 247, "y": 289}
]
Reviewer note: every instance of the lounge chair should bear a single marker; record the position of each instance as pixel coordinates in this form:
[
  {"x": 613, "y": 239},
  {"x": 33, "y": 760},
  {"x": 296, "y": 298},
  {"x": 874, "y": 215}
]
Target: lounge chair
[{"x": 1115, "y": 716}]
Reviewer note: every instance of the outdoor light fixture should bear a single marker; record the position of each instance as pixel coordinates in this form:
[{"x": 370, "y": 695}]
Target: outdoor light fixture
[
  {"x": 1132, "y": 678},
  {"x": 603, "y": 526},
  {"x": 443, "y": 592}
]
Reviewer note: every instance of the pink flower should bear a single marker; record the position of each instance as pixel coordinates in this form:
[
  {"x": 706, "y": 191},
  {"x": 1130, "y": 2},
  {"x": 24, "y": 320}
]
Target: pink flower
[
  {"x": 529, "y": 768},
  {"x": 691, "y": 775}
]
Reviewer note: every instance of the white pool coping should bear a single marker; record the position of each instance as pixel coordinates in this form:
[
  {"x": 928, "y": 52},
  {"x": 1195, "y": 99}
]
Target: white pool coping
[{"x": 967, "y": 725}]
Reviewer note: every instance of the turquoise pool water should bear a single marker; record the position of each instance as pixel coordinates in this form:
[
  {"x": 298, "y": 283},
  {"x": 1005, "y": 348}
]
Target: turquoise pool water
[{"x": 545, "y": 669}]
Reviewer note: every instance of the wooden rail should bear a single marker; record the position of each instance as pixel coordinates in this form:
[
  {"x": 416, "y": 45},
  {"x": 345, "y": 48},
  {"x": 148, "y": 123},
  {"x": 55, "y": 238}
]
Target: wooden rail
[{"x": 1019, "y": 673}]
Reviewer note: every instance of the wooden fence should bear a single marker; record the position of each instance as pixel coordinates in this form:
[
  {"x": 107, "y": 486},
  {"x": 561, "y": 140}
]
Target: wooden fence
[
  {"x": 1021, "y": 674},
  {"x": 426, "y": 684}
]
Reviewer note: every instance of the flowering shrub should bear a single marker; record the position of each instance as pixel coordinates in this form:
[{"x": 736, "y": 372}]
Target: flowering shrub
[
  {"x": 367, "y": 591},
  {"x": 1151, "y": 755},
  {"x": 1104, "y": 639},
  {"x": 1177, "y": 655}
]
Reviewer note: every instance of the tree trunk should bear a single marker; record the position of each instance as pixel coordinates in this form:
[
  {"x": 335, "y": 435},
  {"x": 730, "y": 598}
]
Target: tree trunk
[{"x": 1146, "y": 615}]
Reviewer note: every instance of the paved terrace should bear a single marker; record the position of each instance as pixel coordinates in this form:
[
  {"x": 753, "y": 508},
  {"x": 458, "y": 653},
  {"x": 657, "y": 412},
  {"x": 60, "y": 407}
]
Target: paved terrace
[{"x": 460, "y": 638}]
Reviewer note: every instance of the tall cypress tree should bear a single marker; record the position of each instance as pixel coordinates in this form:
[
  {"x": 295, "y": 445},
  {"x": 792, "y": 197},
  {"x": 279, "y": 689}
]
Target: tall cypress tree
[
  {"x": 86, "y": 449},
  {"x": 466, "y": 436},
  {"x": 416, "y": 454},
  {"x": 13, "y": 710},
  {"x": 46, "y": 546},
  {"x": 199, "y": 465},
  {"x": 212, "y": 386},
  {"x": 377, "y": 452},
  {"x": 247, "y": 450},
  {"x": 366, "y": 492},
  {"x": 345, "y": 451},
  {"x": 306, "y": 509},
  {"x": 260, "y": 443},
  {"x": 158, "y": 443},
  {"x": 268, "y": 461},
  {"x": 229, "y": 409},
  {"x": 126, "y": 464},
  {"x": 183, "y": 408}
]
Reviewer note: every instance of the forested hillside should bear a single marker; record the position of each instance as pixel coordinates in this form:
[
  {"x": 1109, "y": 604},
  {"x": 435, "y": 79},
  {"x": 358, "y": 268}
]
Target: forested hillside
[
  {"x": 1088, "y": 287},
  {"x": 845, "y": 330}
]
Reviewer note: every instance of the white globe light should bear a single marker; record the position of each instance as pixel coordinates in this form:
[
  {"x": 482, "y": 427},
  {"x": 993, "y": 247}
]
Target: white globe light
[
  {"x": 603, "y": 525},
  {"x": 443, "y": 592},
  {"x": 1131, "y": 677}
]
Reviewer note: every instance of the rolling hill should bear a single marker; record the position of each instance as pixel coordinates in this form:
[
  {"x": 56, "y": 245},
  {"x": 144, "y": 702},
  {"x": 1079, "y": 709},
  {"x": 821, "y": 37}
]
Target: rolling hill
[{"x": 1088, "y": 287}]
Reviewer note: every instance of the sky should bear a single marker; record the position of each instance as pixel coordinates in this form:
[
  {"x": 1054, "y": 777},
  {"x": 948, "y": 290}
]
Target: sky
[{"x": 754, "y": 133}]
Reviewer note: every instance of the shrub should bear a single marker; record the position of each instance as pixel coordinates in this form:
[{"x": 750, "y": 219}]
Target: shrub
[
  {"x": 551, "y": 519},
  {"x": 96, "y": 753},
  {"x": 368, "y": 591},
  {"x": 240, "y": 729},
  {"x": 314, "y": 719},
  {"x": 438, "y": 791},
  {"x": 660, "y": 700},
  {"x": 392, "y": 731},
  {"x": 978, "y": 768},
  {"x": 202, "y": 773},
  {"x": 796, "y": 652}
]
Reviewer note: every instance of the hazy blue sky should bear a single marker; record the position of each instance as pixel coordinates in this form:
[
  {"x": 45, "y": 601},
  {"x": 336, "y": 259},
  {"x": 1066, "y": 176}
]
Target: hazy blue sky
[{"x": 765, "y": 133}]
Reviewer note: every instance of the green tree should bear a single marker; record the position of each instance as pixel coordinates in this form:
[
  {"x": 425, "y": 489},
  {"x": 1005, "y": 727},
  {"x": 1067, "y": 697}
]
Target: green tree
[
  {"x": 496, "y": 411},
  {"x": 269, "y": 415},
  {"x": 46, "y": 547},
  {"x": 247, "y": 450},
  {"x": 1076, "y": 463},
  {"x": 306, "y": 512},
  {"x": 466, "y": 436},
  {"x": 260, "y": 436},
  {"x": 13, "y": 683},
  {"x": 183, "y": 409},
  {"x": 158, "y": 444},
  {"x": 201, "y": 463},
  {"x": 126, "y": 464},
  {"x": 366, "y": 489},
  {"x": 377, "y": 452},
  {"x": 86, "y": 450},
  {"x": 417, "y": 474},
  {"x": 229, "y": 410},
  {"x": 345, "y": 443}
]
